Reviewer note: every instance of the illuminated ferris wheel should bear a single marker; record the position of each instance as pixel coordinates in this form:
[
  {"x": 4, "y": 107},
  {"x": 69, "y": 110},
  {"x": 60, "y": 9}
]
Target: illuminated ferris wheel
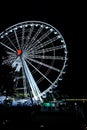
[{"x": 36, "y": 54}]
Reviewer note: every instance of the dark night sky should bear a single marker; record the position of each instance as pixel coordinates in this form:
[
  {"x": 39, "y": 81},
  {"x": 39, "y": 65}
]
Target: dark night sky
[{"x": 70, "y": 20}]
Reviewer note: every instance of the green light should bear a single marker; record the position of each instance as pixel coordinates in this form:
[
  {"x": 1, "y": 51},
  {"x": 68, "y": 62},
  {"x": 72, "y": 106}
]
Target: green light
[{"x": 47, "y": 104}]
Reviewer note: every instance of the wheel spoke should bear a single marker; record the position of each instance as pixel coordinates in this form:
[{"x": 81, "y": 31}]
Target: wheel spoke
[
  {"x": 27, "y": 43},
  {"x": 36, "y": 34},
  {"x": 22, "y": 39},
  {"x": 9, "y": 48},
  {"x": 40, "y": 72},
  {"x": 17, "y": 39},
  {"x": 10, "y": 53},
  {"x": 48, "y": 57},
  {"x": 30, "y": 33},
  {"x": 11, "y": 42},
  {"x": 43, "y": 64},
  {"x": 48, "y": 49}
]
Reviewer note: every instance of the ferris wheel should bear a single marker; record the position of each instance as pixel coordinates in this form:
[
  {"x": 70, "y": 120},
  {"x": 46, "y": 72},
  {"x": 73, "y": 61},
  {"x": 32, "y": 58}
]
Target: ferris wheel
[{"x": 36, "y": 53}]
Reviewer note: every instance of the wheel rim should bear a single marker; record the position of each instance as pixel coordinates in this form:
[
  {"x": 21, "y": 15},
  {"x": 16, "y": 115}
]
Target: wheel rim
[{"x": 42, "y": 47}]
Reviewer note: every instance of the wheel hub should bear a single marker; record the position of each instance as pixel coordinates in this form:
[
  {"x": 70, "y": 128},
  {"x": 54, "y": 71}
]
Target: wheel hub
[{"x": 19, "y": 52}]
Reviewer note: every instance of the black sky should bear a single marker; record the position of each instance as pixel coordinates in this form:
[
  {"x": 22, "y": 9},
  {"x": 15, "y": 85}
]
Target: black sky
[{"x": 70, "y": 20}]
